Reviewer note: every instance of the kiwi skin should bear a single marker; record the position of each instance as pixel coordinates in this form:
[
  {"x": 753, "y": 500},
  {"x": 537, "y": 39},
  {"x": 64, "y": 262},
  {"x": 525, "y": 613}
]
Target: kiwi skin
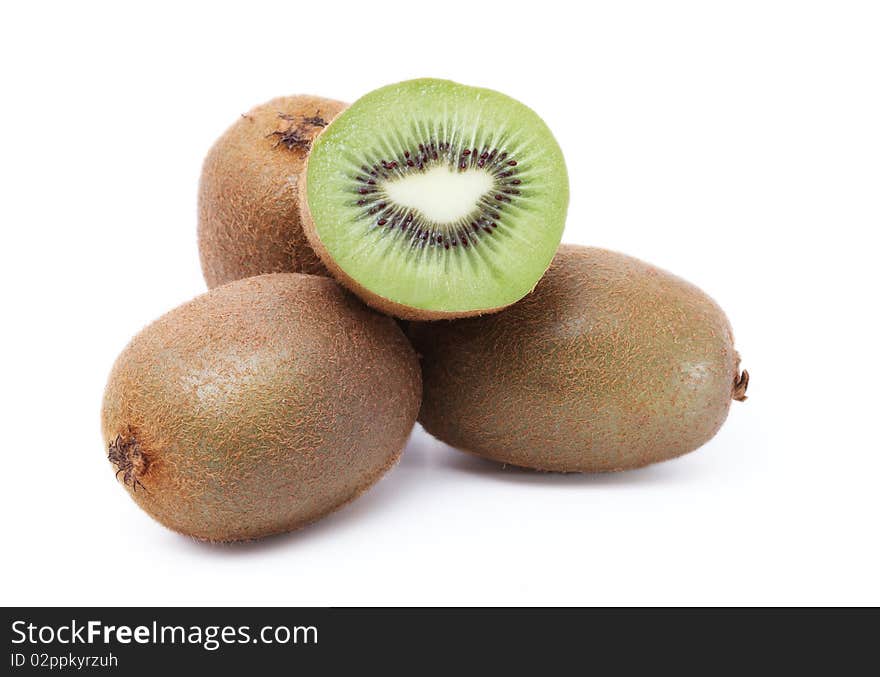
[
  {"x": 258, "y": 407},
  {"x": 610, "y": 364},
  {"x": 248, "y": 203}
]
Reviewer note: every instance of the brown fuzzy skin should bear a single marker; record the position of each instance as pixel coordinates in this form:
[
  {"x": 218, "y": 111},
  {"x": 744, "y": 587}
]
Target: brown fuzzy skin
[
  {"x": 380, "y": 303},
  {"x": 259, "y": 407},
  {"x": 248, "y": 202},
  {"x": 609, "y": 364}
]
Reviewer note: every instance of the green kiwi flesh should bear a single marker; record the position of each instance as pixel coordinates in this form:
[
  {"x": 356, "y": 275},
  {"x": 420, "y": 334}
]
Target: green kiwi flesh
[
  {"x": 609, "y": 364},
  {"x": 259, "y": 407},
  {"x": 248, "y": 200},
  {"x": 432, "y": 199}
]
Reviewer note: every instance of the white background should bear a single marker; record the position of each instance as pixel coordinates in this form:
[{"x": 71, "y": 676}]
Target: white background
[{"x": 736, "y": 144}]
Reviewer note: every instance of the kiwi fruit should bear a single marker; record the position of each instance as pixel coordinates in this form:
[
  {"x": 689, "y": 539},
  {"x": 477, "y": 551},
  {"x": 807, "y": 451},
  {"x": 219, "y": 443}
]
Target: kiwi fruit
[
  {"x": 259, "y": 407},
  {"x": 609, "y": 364},
  {"x": 248, "y": 202},
  {"x": 430, "y": 199}
]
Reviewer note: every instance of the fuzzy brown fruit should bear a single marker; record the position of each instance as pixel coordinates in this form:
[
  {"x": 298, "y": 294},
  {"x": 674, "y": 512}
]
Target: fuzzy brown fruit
[
  {"x": 259, "y": 407},
  {"x": 609, "y": 364},
  {"x": 249, "y": 221}
]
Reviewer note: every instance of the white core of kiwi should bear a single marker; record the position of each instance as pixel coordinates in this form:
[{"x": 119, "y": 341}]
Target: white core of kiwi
[{"x": 440, "y": 194}]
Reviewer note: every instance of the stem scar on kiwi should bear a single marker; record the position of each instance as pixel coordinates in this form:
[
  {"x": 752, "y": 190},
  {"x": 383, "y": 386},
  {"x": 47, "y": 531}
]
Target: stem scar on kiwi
[
  {"x": 434, "y": 200},
  {"x": 298, "y": 134},
  {"x": 131, "y": 462},
  {"x": 740, "y": 385}
]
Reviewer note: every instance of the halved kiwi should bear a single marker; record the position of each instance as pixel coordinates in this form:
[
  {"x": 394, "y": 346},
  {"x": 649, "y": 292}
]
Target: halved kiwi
[{"x": 431, "y": 199}]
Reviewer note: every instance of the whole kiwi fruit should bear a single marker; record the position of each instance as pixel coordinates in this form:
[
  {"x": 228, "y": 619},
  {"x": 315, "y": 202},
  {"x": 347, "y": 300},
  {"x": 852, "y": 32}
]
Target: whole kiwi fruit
[
  {"x": 249, "y": 221},
  {"x": 609, "y": 364},
  {"x": 259, "y": 406}
]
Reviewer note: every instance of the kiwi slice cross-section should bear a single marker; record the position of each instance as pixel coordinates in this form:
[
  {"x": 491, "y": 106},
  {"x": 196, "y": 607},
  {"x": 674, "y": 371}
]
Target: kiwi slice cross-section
[{"x": 432, "y": 200}]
